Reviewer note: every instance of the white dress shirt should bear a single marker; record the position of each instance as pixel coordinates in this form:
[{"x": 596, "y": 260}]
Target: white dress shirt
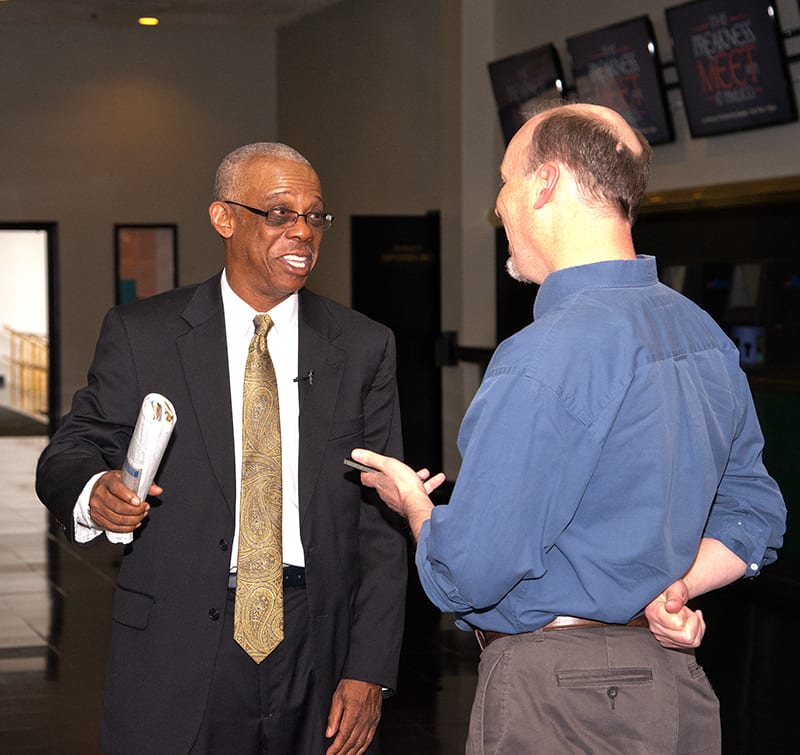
[{"x": 282, "y": 343}]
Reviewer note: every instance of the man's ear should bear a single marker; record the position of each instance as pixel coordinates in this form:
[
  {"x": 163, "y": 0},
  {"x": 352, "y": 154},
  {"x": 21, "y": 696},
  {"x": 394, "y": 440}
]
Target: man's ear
[
  {"x": 221, "y": 218},
  {"x": 546, "y": 180}
]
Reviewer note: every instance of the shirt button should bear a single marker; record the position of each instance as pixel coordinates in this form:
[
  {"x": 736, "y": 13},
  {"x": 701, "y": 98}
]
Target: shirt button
[
  {"x": 754, "y": 567},
  {"x": 223, "y": 544},
  {"x": 213, "y": 614}
]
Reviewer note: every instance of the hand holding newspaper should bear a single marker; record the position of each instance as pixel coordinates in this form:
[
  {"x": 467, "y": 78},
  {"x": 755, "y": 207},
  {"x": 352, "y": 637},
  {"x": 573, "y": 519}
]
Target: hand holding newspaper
[{"x": 151, "y": 435}]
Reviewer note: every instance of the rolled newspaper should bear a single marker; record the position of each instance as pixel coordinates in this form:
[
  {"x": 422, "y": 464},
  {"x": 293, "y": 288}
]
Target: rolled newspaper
[{"x": 151, "y": 435}]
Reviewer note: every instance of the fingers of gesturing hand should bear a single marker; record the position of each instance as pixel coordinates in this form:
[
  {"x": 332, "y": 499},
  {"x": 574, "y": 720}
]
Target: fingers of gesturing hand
[
  {"x": 433, "y": 482},
  {"x": 430, "y": 483},
  {"x": 114, "y": 506}
]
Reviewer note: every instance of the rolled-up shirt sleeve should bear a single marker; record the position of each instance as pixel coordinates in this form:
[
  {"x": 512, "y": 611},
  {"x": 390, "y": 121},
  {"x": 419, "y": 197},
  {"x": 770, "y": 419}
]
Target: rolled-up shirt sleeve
[{"x": 749, "y": 514}]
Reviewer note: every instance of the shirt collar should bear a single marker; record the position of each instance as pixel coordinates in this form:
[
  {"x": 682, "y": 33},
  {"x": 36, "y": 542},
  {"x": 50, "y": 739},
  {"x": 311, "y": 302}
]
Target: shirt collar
[
  {"x": 609, "y": 274},
  {"x": 240, "y": 314}
]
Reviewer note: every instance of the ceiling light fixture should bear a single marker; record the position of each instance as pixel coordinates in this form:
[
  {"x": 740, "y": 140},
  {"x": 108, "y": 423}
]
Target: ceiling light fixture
[{"x": 148, "y": 21}]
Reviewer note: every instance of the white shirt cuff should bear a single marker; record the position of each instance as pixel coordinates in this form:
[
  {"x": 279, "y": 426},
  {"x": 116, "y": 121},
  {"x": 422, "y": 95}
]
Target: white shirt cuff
[{"x": 85, "y": 529}]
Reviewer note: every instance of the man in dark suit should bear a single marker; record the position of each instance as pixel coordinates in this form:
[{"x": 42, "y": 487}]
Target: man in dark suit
[{"x": 177, "y": 682}]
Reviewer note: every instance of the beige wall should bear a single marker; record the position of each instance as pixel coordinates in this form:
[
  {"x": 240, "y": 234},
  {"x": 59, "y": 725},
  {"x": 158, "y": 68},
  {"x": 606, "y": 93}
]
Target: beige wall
[
  {"x": 404, "y": 124},
  {"x": 390, "y": 101},
  {"x": 407, "y": 123},
  {"x": 404, "y": 117},
  {"x": 106, "y": 125},
  {"x": 358, "y": 95},
  {"x": 763, "y": 153}
]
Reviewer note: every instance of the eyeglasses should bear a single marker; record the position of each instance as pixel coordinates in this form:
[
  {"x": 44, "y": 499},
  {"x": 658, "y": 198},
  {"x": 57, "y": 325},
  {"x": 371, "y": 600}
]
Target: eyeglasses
[{"x": 281, "y": 216}]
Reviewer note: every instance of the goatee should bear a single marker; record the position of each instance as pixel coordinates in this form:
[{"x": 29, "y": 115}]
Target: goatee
[{"x": 511, "y": 269}]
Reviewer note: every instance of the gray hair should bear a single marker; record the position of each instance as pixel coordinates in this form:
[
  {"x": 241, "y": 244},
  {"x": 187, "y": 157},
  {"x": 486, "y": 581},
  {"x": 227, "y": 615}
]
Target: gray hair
[{"x": 229, "y": 170}]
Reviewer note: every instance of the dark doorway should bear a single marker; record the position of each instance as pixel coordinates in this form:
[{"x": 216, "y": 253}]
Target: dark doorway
[{"x": 396, "y": 275}]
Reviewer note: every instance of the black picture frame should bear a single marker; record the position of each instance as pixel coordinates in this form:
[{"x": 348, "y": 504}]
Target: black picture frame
[
  {"x": 521, "y": 82},
  {"x": 732, "y": 65},
  {"x": 619, "y": 66},
  {"x": 145, "y": 259}
]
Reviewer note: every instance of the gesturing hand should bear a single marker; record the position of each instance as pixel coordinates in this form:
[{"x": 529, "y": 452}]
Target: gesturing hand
[{"x": 400, "y": 487}]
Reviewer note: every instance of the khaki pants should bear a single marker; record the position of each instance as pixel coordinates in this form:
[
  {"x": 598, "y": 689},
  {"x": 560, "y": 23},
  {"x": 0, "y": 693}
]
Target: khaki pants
[{"x": 594, "y": 690}]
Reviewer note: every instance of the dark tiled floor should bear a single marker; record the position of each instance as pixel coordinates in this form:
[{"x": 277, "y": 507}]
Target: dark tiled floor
[
  {"x": 55, "y": 608},
  {"x": 54, "y": 620}
]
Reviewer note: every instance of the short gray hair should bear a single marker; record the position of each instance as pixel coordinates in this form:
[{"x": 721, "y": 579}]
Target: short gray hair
[{"x": 229, "y": 170}]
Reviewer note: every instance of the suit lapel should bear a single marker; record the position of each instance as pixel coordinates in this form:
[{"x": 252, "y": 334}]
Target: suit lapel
[
  {"x": 204, "y": 356},
  {"x": 317, "y": 330}
]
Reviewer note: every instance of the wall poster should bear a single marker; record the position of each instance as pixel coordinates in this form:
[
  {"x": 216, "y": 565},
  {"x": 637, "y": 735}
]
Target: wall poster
[
  {"x": 731, "y": 65},
  {"x": 522, "y": 81},
  {"x": 146, "y": 260},
  {"x": 619, "y": 67}
]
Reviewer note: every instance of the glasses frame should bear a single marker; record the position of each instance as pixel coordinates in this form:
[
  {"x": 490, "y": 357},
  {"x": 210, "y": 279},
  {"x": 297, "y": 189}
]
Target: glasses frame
[{"x": 327, "y": 218}]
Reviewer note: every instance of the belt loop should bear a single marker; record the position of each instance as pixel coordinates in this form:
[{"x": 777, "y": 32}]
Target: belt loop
[{"x": 481, "y": 638}]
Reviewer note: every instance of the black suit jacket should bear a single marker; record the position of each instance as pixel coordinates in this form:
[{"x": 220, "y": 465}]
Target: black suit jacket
[{"x": 172, "y": 583}]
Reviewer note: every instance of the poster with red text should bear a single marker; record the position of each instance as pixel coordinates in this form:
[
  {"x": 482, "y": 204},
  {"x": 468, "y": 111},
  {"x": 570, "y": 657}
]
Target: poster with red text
[{"x": 731, "y": 65}]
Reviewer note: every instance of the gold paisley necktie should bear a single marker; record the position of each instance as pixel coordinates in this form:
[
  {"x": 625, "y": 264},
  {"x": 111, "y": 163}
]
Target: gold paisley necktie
[{"x": 258, "y": 618}]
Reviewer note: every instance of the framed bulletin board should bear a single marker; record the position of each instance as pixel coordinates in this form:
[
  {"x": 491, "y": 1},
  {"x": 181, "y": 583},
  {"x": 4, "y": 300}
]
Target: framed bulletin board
[
  {"x": 731, "y": 64},
  {"x": 146, "y": 260},
  {"x": 618, "y": 66}
]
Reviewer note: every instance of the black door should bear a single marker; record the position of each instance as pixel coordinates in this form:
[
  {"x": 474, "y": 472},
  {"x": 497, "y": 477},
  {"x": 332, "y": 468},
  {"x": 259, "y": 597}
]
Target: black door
[{"x": 396, "y": 272}]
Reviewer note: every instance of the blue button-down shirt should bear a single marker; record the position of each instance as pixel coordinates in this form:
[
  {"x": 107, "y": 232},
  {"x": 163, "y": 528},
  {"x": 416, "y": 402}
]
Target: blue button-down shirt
[{"x": 607, "y": 438}]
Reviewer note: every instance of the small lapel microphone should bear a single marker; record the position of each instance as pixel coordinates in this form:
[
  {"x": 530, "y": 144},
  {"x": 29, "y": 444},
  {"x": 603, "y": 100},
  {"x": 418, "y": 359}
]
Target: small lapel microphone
[{"x": 309, "y": 378}]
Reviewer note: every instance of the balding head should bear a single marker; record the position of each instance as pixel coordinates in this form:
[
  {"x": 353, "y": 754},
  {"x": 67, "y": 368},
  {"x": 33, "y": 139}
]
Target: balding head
[
  {"x": 616, "y": 124},
  {"x": 609, "y": 160}
]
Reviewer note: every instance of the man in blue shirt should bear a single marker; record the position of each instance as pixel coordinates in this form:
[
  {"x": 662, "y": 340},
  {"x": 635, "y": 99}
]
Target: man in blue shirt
[{"x": 611, "y": 470}]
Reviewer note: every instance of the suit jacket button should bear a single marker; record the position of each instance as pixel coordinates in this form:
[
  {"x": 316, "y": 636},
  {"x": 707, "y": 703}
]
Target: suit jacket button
[
  {"x": 223, "y": 544},
  {"x": 213, "y": 614}
]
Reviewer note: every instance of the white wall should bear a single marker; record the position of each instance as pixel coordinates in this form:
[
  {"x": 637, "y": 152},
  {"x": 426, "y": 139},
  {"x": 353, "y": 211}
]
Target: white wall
[{"x": 104, "y": 125}]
